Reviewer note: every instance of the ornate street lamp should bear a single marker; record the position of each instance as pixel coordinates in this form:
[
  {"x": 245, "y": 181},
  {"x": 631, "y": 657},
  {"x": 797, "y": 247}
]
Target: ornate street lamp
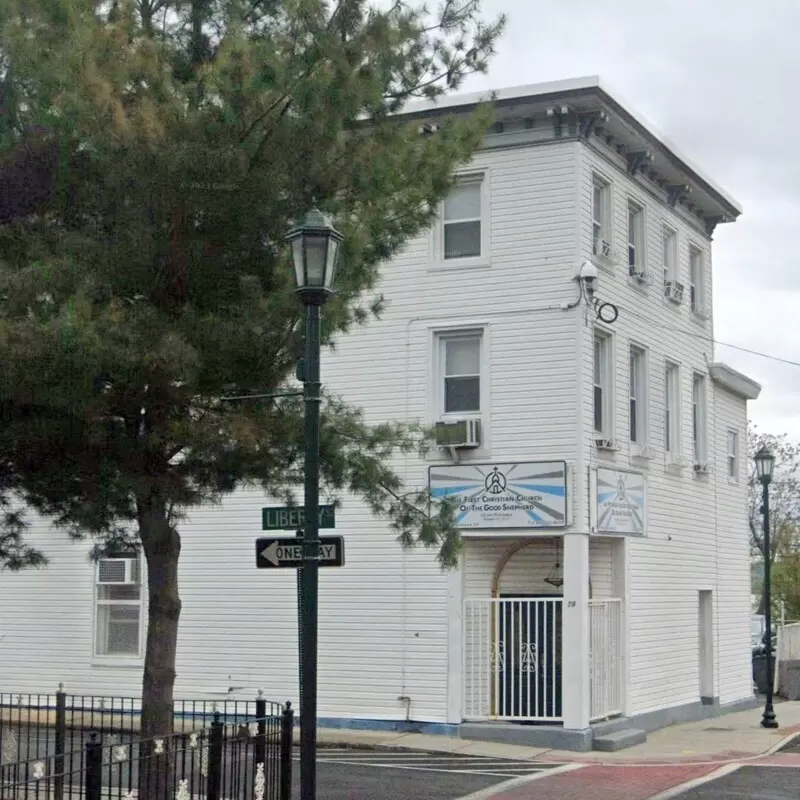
[
  {"x": 315, "y": 249},
  {"x": 765, "y": 463}
]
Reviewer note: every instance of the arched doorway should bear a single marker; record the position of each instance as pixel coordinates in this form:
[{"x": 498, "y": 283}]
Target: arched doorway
[{"x": 527, "y": 586}]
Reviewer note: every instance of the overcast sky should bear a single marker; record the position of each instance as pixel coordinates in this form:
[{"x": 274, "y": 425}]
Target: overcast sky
[{"x": 717, "y": 77}]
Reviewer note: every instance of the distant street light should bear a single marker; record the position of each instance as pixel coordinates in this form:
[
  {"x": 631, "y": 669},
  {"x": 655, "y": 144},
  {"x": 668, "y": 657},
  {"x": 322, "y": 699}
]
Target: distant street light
[
  {"x": 765, "y": 463},
  {"x": 315, "y": 249}
]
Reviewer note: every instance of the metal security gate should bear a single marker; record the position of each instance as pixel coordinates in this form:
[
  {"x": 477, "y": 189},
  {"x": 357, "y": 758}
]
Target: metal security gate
[
  {"x": 512, "y": 659},
  {"x": 605, "y": 631}
]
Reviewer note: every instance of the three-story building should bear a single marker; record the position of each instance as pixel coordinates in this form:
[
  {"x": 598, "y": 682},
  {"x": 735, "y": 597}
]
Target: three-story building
[{"x": 556, "y": 325}]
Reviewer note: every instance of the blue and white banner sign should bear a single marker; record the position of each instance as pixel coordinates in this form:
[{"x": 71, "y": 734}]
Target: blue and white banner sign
[
  {"x": 620, "y": 501},
  {"x": 530, "y": 494}
]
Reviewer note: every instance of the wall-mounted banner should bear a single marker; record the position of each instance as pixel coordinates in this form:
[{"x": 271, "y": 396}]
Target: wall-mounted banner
[
  {"x": 620, "y": 501},
  {"x": 531, "y": 494}
]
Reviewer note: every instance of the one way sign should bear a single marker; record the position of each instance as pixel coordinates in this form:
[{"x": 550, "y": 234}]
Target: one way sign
[{"x": 276, "y": 552}]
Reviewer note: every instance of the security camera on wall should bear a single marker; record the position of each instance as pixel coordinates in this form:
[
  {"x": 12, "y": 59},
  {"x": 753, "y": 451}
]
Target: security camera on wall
[{"x": 588, "y": 278}]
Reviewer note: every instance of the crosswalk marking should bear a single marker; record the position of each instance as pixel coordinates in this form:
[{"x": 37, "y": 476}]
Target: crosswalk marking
[{"x": 445, "y": 762}]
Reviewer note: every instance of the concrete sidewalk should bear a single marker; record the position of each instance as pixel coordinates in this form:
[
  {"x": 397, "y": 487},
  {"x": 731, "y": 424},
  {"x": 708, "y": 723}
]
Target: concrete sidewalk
[{"x": 728, "y": 738}]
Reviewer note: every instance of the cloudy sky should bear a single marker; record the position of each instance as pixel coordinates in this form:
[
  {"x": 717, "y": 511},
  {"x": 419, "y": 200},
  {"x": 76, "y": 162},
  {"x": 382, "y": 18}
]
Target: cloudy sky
[{"x": 717, "y": 78}]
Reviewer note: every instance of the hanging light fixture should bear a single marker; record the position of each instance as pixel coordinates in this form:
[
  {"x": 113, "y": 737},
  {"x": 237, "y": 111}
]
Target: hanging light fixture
[{"x": 556, "y": 575}]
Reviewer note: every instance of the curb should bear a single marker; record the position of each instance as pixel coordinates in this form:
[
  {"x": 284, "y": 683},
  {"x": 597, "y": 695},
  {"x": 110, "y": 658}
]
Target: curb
[{"x": 676, "y": 791}]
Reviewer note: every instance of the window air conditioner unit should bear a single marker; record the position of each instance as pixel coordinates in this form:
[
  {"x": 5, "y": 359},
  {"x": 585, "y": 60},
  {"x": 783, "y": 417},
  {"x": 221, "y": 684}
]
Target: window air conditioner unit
[
  {"x": 701, "y": 468},
  {"x": 679, "y": 461},
  {"x": 673, "y": 290},
  {"x": 644, "y": 451},
  {"x": 462, "y": 434},
  {"x": 603, "y": 443},
  {"x": 638, "y": 274},
  {"x": 118, "y": 571}
]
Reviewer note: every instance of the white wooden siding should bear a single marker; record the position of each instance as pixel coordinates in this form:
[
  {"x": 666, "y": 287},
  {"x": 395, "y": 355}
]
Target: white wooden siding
[
  {"x": 679, "y": 555},
  {"x": 384, "y": 616}
]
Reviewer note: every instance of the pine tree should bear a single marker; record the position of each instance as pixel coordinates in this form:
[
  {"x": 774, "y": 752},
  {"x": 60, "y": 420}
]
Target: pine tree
[{"x": 154, "y": 153}]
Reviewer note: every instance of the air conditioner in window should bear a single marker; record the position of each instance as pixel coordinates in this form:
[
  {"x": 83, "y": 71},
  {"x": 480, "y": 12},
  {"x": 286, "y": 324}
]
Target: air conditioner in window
[
  {"x": 461, "y": 434},
  {"x": 702, "y": 468},
  {"x": 643, "y": 451},
  {"x": 678, "y": 461},
  {"x": 118, "y": 571},
  {"x": 638, "y": 274},
  {"x": 604, "y": 443},
  {"x": 673, "y": 290}
]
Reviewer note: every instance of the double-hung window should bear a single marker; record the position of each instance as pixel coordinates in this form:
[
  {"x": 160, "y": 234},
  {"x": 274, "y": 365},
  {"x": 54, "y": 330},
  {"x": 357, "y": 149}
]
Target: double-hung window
[
  {"x": 733, "y": 455},
  {"x": 699, "y": 418},
  {"x": 635, "y": 239},
  {"x": 601, "y": 217},
  {"x": 118, "y": 612},
  {"x": 638, "y": 396},
  {"x": 603, "y": 385},
  {"x": 669, "y": 249},
  {"x": 672, "y": 411},
  {"x": 460, "y": 357},
  {"x": 463, "y": 223},
  {"x": 696, "y": 281}
]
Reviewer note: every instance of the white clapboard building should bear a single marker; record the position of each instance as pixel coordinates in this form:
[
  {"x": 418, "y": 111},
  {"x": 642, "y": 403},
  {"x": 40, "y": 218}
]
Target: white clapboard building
[{"x": 595, "y": 448}]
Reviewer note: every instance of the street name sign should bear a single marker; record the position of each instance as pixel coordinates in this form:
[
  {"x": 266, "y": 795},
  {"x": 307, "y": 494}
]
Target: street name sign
[
  {"x": 292, "y": 518},
  {"x": 284, "y": 552}
]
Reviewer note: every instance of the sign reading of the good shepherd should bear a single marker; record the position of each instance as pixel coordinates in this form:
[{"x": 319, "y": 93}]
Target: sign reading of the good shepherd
[
  {"x": 524, "y": 495},
  {"x": 620, "y": 501}
]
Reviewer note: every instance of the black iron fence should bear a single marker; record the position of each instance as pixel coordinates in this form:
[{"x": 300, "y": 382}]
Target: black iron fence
[
  {"x": 220, "y": 762},
  {"x": 54, "y": 734}
]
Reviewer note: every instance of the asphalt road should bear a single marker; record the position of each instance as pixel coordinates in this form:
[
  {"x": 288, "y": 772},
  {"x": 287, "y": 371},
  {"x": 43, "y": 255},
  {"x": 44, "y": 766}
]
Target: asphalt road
[
  {"x": 408, "y": 775},
  {"x": 750, "y": 783}
]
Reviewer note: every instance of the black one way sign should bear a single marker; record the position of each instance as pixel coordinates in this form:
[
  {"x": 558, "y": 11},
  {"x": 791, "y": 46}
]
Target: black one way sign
[{"x": 275, "y": 552}]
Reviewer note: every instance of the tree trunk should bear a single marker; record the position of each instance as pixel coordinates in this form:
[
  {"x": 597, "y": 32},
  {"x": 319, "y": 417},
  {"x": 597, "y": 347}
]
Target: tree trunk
[{"x": 162, "y": 545}]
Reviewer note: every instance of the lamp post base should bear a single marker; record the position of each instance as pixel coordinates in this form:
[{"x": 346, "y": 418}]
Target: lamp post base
[{"x": 768, "y": 719}]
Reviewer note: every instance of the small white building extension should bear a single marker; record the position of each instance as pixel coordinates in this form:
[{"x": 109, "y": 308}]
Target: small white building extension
[{"x": 595, "y": 448}]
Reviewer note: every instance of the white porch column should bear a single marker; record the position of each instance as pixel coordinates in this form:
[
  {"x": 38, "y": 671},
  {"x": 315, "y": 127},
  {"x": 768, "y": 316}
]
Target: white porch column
[{"x": 575, "y": 633}]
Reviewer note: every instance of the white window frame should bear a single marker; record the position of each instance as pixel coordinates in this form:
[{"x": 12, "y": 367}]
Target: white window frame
[
  {"x": 697, "y": 277},
  {"x": 672, "y": 411},
  {"x": 121, "y": 659},
  {"x": 605, "y": 376},
  {"x": 636, "y": 237},
  {"x": 442, "y": 338},
  {"x": 732, "y": 454},
  {"x": 669, "y": 255},
  {"x": 601, "y": 219},
  {"x": 699, "y": 419},
  {"x": 637, "y": 391},
  {"x": 483, "y": 179}
]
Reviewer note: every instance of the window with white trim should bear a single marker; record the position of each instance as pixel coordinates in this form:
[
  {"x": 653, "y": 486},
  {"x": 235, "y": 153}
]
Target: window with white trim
[
  {"x": 461, "y": 367},
  {"x": 601, "y": 217},
  {"x": 462, "y": 221},
  {"x": 603, "y": 385},
  {"x": 699, "y": 418},
  {"x": 635, "y": 238},
  {"x": 733, "y": 454},
  {"x": 669, "y": 243},
  {"x": 637, "y": 407},
  {"x": 118, "y": 606},
  {"x": 696, "y": 280},
  {"x": 672, "y": 410}
]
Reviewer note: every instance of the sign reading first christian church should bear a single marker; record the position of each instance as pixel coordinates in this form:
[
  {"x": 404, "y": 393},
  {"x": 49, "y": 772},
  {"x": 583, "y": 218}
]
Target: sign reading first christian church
[{"x": 529, "y": 494}]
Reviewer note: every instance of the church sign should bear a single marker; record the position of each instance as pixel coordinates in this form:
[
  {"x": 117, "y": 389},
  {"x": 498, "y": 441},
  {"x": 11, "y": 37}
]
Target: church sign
[
  {"x": 531, "y": 494},
  {"x": 620, "y": 501}
]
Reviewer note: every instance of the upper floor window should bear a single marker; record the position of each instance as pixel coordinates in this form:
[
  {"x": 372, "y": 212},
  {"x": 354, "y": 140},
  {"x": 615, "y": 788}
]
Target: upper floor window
[
  {"x": 118, "y": 612},
  {"x": 733, "y": 454},
  {"x": 463, "y": 221},
  {"x": 669, "y": 239},
  {"x": 601, "y": 217},
  {"x": 699, "y": 418},
  {"x": 672, "y": 410},
  {"x": 635, "y": 239},
  {"x": 696, "y": 281},
  {"x": 638, "y": 388},
  {"x": 461, "y": 372},
  {"x": 603, "y": 382}
]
